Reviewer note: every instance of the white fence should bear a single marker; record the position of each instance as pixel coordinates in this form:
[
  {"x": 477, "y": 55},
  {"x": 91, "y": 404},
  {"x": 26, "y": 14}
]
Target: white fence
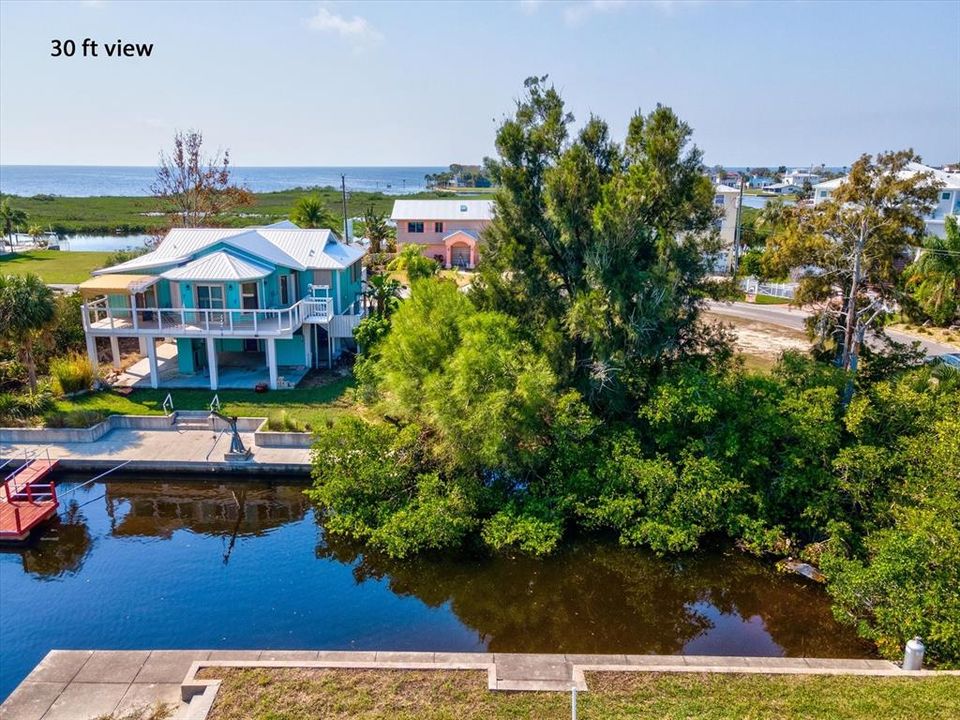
[{"x": 752, "y": 286}]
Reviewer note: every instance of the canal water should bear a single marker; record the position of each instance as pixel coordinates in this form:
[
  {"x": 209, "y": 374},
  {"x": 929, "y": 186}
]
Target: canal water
[{"x": 184, "y": 564}]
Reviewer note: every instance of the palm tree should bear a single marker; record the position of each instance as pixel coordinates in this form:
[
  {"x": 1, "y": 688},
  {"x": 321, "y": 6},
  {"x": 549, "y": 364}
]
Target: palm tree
[
  {"x": 311, "y": 212},
  {"x": 12, "y": 218},
  {"x": 27, "y": 307},
  {"x": 36, "y": 234},
  {"x": 376, "y": 229},
  {"x": 935, "y": 276},
  {"x": 384, "y": 292}
]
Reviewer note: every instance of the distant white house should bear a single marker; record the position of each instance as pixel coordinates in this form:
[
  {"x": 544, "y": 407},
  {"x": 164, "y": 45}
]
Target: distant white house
[
  {"x": 728, "y": 199},
  {"x": 783, "y": 188},
  {"x": 948, "y": 202},
  {"x": 800, "y": 178}
]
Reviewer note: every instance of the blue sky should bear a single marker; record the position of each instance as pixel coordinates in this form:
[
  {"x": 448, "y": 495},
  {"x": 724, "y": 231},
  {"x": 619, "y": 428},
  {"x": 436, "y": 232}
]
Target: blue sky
[{"x": 371, "y": 83}]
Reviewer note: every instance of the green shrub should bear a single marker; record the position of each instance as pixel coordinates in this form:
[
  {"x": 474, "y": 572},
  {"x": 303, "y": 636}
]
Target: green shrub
[
  {"x": 72, "y": 373},
  {"x": 74, "y": 419},
  {"x": 18, "y": 408},
  {"x": 284, "y": 422},
  {"x": 13, "y": 374}
]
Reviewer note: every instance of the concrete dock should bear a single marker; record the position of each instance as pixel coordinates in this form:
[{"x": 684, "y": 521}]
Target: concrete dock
[{"x": 172, "y": 450}]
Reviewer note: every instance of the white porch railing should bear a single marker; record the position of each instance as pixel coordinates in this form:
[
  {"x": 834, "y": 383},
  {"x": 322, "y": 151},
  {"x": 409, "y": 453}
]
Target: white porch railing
[
  {"x": 99, "y": 316},
  {"x": 317, "y": 309}
]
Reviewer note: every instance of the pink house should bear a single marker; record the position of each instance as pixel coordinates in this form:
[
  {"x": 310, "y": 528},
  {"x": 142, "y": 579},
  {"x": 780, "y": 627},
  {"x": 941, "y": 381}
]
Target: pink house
[{"x": 449, "y": 230}]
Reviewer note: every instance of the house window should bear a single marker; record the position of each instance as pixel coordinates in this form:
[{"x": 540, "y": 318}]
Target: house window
[
  {"x": 284, "y": 290},
  {"x": 210, "y": 297},
  {"x": 718, "y": 200},
  {"x": 355, "y": 273},
  {"x": 823, "y": 193},
  {"x": 438, "y": 227},
  {"x": 945, "y": 196},
  {"x": 415, "y": 227}
]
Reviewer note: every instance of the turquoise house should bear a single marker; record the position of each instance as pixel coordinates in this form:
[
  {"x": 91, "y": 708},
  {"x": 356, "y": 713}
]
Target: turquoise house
[{"x": 234, "y": 306}]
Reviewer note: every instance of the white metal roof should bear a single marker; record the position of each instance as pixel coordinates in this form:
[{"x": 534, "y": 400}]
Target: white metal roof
[
  {"x": 829, "y": 184},
  {"x": 286, "y": 246},
  {"x": 950, "y": 180},
  {"x": 442, "y": 210},
  {"x": 720, "y": 188},
  {"x": 220, "y": 266}
]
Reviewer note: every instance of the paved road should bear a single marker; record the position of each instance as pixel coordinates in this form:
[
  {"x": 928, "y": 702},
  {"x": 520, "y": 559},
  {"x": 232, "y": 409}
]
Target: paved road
[{"x": 794, "y": 318}]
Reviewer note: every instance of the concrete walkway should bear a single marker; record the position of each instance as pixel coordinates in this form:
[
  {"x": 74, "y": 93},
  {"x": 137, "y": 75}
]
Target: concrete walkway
[
  {"x": 163, "y": 450},
  {"x": 83, "y": 684}
]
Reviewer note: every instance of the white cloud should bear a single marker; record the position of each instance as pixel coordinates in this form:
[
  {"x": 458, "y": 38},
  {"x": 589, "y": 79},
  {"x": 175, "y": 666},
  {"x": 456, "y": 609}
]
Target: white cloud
[
  {"x": 357, "y": 30},
  {"x": 577, "y": 12},
  {"x": 529, "y": 7}
]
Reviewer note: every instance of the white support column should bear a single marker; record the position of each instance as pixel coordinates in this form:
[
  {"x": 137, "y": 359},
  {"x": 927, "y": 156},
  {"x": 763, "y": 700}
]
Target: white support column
[
  {"x": 308, "y": 345},
  {"x": 152, "y": 358},
  {"x": 144, "y": 345},
  {"x": 272, "y": 362},
  {"x": 133, "y": 311},
  {"x": 115, "y": 351},
  {"x": 92, "y": 353},
  {"x": 212, "y": 363}
]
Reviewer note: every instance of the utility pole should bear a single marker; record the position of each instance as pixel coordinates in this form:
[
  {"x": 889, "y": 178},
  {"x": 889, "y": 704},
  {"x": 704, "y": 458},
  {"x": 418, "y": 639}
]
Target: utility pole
[
  {"x": 343, "y": 189},
  {"x": 736, "y": 233}
]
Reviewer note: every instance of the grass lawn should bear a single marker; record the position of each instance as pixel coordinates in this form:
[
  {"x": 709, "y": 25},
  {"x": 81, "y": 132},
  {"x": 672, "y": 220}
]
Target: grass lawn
[
  {"x": 310, "y": 405},
  {"x": 264, "y": 694},
  {"x": 771, "y": 300},
  {"x": 53, "y": 266},
  {"x": 107, "y": 215}
]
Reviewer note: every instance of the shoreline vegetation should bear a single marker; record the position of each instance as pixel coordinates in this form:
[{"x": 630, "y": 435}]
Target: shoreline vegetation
[{"x": 122, "y": 215}]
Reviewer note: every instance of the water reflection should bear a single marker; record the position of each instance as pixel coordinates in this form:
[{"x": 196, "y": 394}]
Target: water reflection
[
  {"x": 591, "y": 597},
  {"x": 229, "y": 511},
  {"x": 597, "y": 597},
  {"x": 159, "y": 510},
  {"x": 61, "y": 548}
]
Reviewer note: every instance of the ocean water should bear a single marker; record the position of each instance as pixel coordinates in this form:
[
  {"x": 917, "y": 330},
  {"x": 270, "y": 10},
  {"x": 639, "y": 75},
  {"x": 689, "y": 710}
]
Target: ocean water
[{"x": 87, "y": 181}]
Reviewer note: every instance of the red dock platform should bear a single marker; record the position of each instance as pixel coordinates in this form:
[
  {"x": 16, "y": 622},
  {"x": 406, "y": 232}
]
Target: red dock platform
[{"x": 28, "y": 498}]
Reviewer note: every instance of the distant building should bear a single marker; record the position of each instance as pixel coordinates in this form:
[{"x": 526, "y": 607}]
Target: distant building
[
  {"x": 800, "y": 178},
  {"x": 728, "y": 199},
  {"x": 948, "y": 202},
  {"x": 759, "y": 182},
  {"x": 449, "y": 230},
  {"x": 783, "y": 188}
]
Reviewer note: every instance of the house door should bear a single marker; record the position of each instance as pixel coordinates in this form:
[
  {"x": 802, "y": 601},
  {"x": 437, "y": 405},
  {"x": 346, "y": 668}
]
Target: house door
[
  {"x": 249, "y": 296},
  {"x": 251, "y": 345},
  {"x": 146, "y": 301},
  {"x": 460, "y": 256}
]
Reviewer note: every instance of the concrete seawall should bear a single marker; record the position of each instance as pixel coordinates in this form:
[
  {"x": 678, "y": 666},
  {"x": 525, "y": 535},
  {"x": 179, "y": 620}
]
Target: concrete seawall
[
  {"x": 85, "y": 684},
  {"x": 184, "y": 442}
]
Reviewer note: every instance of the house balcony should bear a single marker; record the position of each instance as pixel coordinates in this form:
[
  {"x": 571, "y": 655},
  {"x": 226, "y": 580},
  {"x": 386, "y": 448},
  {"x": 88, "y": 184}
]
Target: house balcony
[{"x": 100, "y": 318}]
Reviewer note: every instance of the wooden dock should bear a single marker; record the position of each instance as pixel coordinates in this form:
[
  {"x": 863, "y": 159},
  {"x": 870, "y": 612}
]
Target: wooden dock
[{"x": 28, "y": 499}]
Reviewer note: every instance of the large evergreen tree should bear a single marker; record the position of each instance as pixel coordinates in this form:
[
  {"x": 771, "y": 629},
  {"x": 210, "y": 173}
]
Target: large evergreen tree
[{"x": 597, "y": 247}]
